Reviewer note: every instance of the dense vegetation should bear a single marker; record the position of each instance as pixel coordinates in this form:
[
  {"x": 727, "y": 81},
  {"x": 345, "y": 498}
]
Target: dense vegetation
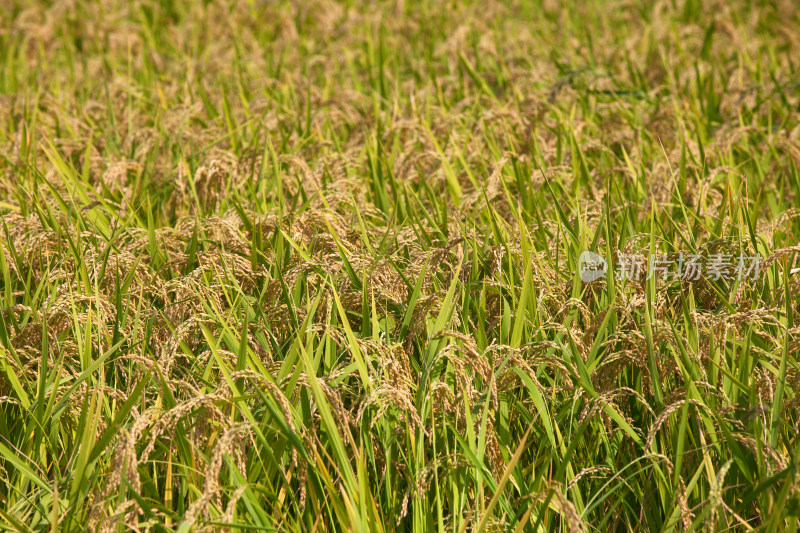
[{"x": 313, "y": 266}]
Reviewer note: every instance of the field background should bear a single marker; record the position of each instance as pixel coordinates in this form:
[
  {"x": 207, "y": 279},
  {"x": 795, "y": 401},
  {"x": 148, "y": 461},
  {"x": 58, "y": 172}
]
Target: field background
[{"x": 312, "y": 266}]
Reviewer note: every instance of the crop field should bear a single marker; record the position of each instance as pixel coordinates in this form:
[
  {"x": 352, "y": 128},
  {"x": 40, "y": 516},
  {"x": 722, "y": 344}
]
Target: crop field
[{"x": 399, "y": 266}]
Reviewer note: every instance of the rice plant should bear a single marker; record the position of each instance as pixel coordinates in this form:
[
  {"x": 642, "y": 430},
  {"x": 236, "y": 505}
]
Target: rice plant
[{"x": 321, "y": 266}]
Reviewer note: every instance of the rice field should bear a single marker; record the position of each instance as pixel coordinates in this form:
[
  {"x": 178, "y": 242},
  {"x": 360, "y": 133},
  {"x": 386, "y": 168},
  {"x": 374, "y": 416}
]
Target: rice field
[{"x": 399, "y": 266}]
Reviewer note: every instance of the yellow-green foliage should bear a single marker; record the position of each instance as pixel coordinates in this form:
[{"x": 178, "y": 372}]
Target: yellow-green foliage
[{"x": 313, "y": 266}]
